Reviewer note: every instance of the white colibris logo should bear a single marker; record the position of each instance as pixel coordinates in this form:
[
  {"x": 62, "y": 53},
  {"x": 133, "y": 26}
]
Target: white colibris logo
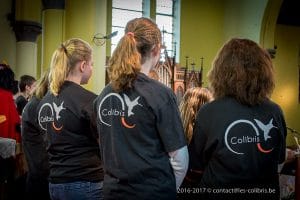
[
  {"x": 233, "y": 141},
  {"x": 46, "y": 117},
  {"x": 104, "y": 112}
]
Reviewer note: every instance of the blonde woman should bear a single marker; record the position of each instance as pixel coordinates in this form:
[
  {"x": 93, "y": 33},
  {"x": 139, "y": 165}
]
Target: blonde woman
[
  {"x": 191, "y": 102},
  {"x": 66, "y": 114},
  {"x": 34, "y": 144},
  {"x": 142, "y": 140}
]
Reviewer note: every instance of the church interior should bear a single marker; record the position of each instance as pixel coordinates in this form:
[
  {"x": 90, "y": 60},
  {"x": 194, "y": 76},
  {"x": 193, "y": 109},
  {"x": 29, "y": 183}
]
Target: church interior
[{"x": 32, "y": 29}]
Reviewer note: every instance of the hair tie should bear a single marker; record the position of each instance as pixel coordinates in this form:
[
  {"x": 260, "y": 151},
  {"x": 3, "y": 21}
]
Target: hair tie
[
  {"x": 64, "y": 48},
  {"x": 130, "y": 33}
]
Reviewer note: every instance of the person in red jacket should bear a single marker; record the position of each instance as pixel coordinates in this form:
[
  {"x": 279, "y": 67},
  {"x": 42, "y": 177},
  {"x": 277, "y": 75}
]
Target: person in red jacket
[{"x": 9, "y": 118}]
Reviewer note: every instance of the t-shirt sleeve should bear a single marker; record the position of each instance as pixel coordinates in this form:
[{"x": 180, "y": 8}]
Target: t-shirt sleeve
[
  {"x": 30, "y": 128},
  {"x": 169, "y": 126}
]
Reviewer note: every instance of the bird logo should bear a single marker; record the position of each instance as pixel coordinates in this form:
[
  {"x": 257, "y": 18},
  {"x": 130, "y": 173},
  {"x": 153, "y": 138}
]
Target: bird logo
[
  {"x": 131, "y": 104},
  {"x": 58, "y": 109},
  {"x": 104, "y": 112},
  {"x": 52, "y": 117},
  {"x": 265, "y": 128}
]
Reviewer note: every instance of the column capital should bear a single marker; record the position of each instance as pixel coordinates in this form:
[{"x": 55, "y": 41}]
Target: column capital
[
  {"x": 27, "y": 30},
  {"x": 53, "y": 4}
]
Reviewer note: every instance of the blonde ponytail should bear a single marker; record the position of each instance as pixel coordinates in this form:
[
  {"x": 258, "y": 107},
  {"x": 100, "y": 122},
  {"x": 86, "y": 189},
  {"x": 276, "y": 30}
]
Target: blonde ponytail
[
  {"x": 42, "y": 86},
  {"x": 64, "y": 60},
  {"x": 59, "y": 71},
  {"x": 124, "y": 64}
]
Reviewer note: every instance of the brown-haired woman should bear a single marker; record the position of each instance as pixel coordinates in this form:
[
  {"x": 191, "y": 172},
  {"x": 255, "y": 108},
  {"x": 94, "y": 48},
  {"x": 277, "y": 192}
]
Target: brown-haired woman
[
  {"x": 142, "y": 140},
  {"x": 239, "y": 138}
]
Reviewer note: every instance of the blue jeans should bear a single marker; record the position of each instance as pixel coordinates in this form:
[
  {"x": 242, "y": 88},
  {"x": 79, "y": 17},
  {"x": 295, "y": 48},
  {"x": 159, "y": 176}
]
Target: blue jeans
[{"x": 76, "y": 191}]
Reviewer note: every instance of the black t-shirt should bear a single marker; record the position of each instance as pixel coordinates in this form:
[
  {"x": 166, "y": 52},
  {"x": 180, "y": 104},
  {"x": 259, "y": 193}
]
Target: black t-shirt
[
  {"x": 73, "y": 146},
  {"x": 239, "y": 146},
  {"x": 21, "y": 102},
  {"x": 137, "y": 129},
  {"x": 34, "y": 142}
]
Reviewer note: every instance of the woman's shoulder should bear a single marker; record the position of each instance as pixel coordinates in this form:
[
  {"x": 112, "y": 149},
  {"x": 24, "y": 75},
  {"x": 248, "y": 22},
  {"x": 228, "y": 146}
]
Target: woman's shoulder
[
  {"x": 149, "y": 85},
  {"x": 272, "y": 106},
  {"x": 31, "y": 108},
  {"x": 74, "y": 91},
  {"x": 33, "y": 102}
]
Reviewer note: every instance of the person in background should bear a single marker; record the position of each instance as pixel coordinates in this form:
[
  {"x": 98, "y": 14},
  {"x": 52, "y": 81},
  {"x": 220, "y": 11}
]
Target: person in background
[
  {"x": 12, "y": 168},
  {"x": 34, "y": 144},
  {"x": 26, "y": 86},
  {"x": 153, "y": 74},
  {"x": 141, "y": 135},
  {"x": 66, "y": 114},
  {"x": 239, "y": 138},
  {"x": 9, "y": 118},
  {"x": 15, "y": 90},
  {"x": 192, "y": 101},
  {"x": 189, "y": 106}
]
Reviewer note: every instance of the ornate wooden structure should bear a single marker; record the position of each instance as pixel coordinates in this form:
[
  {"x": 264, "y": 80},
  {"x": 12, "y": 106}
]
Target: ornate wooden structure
[{"x": 179, "y": 78}]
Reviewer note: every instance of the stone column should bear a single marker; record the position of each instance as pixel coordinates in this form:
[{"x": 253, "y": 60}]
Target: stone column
[
  {"x": 53, "y": 29},
  {"x": 27, "y": 28},
  {"x": 83, "y": 20}
]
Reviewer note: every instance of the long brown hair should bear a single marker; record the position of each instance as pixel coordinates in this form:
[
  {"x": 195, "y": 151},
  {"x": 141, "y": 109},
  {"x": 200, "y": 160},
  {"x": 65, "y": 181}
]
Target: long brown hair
[
  {"x": 243, "y": 70},
  {"x": 141, "y": 35},
  {"x": 64, "y": 60},
  {"x": 191, "y": 102}
]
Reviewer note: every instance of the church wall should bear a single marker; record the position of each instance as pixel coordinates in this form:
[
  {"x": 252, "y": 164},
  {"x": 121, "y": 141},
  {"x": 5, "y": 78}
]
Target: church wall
[
  {"x": 201, "y": 32},
  {"x": 287, "y": 66},
  {"x": 243, "y": 19},
  {"x": 7, "y": 37},
  {"x": 84, "y": 19}
]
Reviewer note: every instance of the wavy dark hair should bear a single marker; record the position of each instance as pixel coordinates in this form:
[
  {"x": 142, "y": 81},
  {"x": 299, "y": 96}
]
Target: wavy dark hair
[{"x": 243, "y": 70}]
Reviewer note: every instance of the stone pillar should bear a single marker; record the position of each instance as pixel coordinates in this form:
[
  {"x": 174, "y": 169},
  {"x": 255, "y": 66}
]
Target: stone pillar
[
  {"x": 27, "y": 27},
  {"x": 53, "y": 29},
  {"x": 83, "y": 20}
]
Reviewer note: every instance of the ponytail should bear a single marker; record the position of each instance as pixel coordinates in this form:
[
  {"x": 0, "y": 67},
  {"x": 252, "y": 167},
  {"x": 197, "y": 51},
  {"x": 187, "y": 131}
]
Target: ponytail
[
  {"x": 42, "y": 86},
  {"x": 59, "y": 71},
  {"x": 134, "y": 48},
  {"x": 124, "y": 63}
]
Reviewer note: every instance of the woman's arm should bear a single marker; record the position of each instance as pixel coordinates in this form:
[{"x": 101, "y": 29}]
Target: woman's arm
[{"x": 179, "y": 160}]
